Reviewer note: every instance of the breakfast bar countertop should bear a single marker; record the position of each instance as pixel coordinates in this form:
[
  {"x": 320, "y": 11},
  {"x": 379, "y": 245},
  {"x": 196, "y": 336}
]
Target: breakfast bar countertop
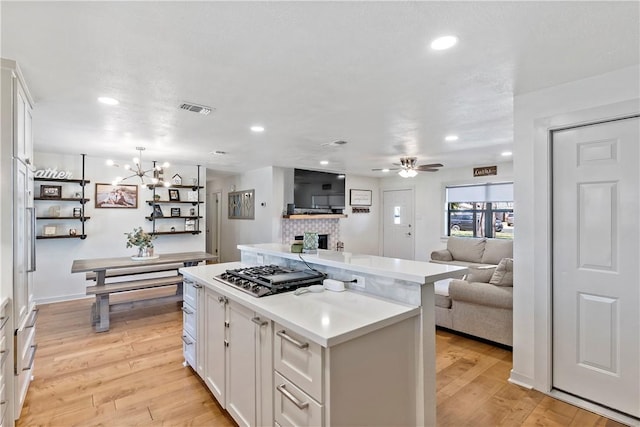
[{"x": 412, "y": 271}]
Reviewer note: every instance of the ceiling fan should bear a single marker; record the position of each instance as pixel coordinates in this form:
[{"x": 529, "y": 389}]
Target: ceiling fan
[{"x": 409, "y": 168}]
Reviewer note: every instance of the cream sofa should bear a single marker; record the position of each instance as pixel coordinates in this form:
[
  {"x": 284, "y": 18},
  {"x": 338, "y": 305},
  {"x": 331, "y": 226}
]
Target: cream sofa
[{"x": 482, "y": 304}]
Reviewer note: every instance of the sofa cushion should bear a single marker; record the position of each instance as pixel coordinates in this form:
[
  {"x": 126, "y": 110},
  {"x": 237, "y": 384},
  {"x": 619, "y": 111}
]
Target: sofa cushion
[
  {"x": 496, "y": 249},
  {"x": 480, "y": 274},
  {"x": 503, "y": 276},
  {"x": 441, "y": 255},
  {"x": 466, "y": 248},
  {"x": 481, "y": 294}
]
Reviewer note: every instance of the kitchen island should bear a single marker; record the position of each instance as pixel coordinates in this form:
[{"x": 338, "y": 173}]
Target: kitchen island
[{"x": 359, "y": 357}]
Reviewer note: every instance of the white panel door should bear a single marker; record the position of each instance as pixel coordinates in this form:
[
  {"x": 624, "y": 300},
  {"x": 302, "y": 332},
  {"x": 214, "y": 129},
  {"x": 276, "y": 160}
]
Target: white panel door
[
  {"x": 596, "y": 259},
  {"x": 398, "y": 235}
]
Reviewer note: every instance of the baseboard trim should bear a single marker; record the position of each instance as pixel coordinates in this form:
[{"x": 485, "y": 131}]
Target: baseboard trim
[
  {"x": 62, "y": 298},
  {"x": 521, "y": 380}
]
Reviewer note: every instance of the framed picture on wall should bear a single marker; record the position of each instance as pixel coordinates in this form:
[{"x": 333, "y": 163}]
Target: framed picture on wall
[
  {"x": 116, "y": 196},
  {"x": 360, "y": 197},
  {"x": 174, "y": 195}
]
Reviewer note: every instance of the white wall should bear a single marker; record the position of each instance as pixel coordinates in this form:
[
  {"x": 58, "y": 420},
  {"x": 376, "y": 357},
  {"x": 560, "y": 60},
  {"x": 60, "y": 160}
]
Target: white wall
[
  {"x": 53, "y": 280},
  {"x": 359, "y": 231},
  {"x": 268, "y": 184},
  {"x": 535, "y": 113},
  {"x": 429, "y": 191}
]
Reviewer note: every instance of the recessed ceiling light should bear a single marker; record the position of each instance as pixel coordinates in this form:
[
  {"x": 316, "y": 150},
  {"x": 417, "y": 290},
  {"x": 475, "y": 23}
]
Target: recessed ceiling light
[
  {"x": 257, "y": 128},
  {"x": 442, "y": 43},
  {"x": 451, "y": 138},
  {"x": 385, "y": 170},
  {"x": 108, "y": 101},
  {"x": 324, "y": 162},
  {"x": 507, "y": 153}
]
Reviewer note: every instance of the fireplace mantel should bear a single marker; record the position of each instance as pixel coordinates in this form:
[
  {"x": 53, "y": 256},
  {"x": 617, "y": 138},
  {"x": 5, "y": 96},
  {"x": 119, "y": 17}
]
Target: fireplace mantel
[{"x": 315, "y": 216}]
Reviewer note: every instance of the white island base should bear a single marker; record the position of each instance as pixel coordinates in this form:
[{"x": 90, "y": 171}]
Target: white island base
[{"x": 318, "y": 359}]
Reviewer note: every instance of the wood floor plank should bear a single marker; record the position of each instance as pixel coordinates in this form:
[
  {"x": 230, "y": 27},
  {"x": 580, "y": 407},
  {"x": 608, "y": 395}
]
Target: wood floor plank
[{"x": 133, "y": 375}]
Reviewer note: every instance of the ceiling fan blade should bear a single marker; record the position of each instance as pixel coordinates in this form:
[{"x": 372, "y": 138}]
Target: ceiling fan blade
[
  {"x": 430, "y": 166},
  {"x": 428, "y": 170},
  {"x": 389, "y": 169}
]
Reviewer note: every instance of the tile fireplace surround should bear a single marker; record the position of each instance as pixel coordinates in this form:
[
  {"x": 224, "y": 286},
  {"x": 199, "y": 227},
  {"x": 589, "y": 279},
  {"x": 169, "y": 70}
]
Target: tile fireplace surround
[{"x": 297, "y": 227}]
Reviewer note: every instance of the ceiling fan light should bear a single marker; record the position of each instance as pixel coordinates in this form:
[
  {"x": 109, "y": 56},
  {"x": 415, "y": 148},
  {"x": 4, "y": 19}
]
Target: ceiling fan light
[{"x": 407, "y": 173}]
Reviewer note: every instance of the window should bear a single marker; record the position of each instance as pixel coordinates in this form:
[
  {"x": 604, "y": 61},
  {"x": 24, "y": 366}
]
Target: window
[{"x": 484, "y": 210}]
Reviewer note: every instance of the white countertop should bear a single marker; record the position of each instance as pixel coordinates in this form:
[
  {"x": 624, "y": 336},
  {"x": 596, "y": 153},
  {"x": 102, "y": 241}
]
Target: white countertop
[
  {"x": 326, "y": 318},
  {"x": 412, "y": 271}
]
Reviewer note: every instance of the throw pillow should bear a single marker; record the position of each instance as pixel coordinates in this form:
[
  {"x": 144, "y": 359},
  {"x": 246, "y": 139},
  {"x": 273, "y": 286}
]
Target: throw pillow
[
  {"x": 503, "y": 276},
  {"x": 467, "y": 249},
  {"x": 480, "y": 274}
]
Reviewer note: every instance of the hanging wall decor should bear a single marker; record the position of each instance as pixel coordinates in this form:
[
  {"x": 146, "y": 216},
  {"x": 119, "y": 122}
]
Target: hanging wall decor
[{"x": 241, "y": 204}]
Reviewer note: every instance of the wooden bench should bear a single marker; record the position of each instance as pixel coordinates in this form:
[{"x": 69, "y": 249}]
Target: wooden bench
[
  {"x": 102, "y": 307},
  {"x": 136, "y": 270},
  {"x": 99, "y": 269}
]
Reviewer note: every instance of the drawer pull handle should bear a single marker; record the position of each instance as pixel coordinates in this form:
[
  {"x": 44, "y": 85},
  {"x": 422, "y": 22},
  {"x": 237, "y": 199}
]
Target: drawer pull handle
[
  {"x": 197, "y": 285},
  {"x": 33, "y": 357},
  {"x": 186, "y": 310},
  {"x": 291, "y": 397},
  {"x": 33, "y": 319},
  {"x": 258, "y": 321},
  {"x": 301, "y": 345},
  {"x": 223, "y": 300},
  {"x": 184, "y": 340}
]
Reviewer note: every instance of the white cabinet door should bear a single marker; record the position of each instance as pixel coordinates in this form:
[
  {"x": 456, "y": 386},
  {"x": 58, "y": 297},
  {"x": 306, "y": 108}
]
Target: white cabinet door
[
  {"x": 214, "y": 343},
  {"x": 241, "y": 365},
  {"x": 23, "y": 142},
  {"x": 21, "y": 245}
]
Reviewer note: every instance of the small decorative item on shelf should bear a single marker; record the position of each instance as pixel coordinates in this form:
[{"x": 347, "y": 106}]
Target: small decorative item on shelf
[
  {"x": 176, "y": 179},
  {"x": 156, "y": 197},
  {"x": 51, "y": 191},
  {"x": 157, "y": 211},
  {"x": 173, "y": 229},
  {"x": 192, "y": 211},
  {"x": 175, "y": 211},
  {"x": 189, "y": 225},
  {"x": 77, "y": 212},
  {"x": 174, "y": 195},
  {"x": 49, "y": 230},
  {"x": 192, "y": 196},
  {"x": 143, "y": 241},
  {"x": 72, "y": 232}
]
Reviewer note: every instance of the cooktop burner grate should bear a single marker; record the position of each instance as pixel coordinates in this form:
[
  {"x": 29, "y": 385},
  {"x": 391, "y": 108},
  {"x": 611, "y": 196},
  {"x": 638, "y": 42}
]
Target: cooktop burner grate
[{"x": 266, "y": 280}]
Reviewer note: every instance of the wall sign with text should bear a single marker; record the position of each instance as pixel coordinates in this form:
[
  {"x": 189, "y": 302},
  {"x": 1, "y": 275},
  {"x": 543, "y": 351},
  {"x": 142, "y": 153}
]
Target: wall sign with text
[{"x": 485, "y": 171}]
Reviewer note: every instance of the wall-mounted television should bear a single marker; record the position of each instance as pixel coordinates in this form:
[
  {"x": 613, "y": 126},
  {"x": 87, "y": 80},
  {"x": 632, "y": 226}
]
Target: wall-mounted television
[{"x": 318, "y": 192}]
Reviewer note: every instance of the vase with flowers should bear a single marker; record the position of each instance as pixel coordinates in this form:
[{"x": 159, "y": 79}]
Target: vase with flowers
[{"x": 143, "y": 241}]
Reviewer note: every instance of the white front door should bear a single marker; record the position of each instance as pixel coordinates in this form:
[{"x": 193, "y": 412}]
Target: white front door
[
  {"x": 398, "y": 235},
  {"x": 596, "y": 263}
]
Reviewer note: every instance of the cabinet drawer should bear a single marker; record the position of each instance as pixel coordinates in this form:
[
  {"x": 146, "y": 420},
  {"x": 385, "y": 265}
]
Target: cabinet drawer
[
  {"x": 189, "y": 349},
  {"x": 299, "y": 360},
  {"x": 293, "y": 407},
  {"x": 189, "y": 320},
  {"x": 190, "y": 293}
]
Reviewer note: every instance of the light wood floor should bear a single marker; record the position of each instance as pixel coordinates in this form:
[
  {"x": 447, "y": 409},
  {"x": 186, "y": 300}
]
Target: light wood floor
[{"x": 133, "y": 375}]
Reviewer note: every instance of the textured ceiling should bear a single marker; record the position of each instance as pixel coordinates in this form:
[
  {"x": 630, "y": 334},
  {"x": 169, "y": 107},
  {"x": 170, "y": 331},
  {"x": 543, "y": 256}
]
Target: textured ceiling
[{"x": 310, "y": 72}]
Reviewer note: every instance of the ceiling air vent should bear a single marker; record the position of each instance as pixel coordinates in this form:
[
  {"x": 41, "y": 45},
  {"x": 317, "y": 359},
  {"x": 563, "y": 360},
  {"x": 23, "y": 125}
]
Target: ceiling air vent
[{"x": 195, "y": 108}]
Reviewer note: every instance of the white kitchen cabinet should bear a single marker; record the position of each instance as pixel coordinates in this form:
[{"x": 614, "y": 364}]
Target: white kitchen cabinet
[
  {"x": 214, "y": 315},
  {"x": 365, "y": 381},
  {"x": 237, "y": 355}
]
